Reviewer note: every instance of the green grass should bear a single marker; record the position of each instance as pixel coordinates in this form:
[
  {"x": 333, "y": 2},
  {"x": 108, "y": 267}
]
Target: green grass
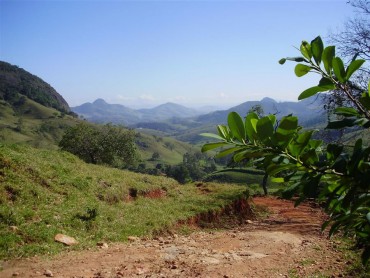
[
  {"x": 33, "y": 124},
  {"x": 170, "y": 150},
  {"x": 351, "y": 254},
  {"x": 45, "y": 192}
]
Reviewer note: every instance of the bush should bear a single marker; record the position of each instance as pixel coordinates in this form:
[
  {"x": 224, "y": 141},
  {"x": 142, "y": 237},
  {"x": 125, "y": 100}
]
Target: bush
[{"x": 106, "y": 144}]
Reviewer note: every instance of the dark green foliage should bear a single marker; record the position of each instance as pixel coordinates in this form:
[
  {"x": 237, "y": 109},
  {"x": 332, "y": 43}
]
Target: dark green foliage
[
  {"x": 101, "y": 144},
  {"x": 195, "y": 167},
  {"x": 15, "y": 83},
  {"x": 336, "y": 176}
]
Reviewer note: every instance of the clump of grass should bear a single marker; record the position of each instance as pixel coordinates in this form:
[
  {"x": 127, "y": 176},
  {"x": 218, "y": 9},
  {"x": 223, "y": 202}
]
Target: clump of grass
[
  {"x": 346, "y": 246},
  {"x": 45, "y": 192}
]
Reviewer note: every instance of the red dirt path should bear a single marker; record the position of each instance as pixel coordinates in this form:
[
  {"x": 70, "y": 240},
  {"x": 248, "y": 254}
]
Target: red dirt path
[{"x": 287, "y": 243}]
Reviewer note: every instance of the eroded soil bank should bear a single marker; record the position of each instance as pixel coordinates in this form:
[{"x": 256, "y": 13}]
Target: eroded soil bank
[{"x": 287, "y": 243}]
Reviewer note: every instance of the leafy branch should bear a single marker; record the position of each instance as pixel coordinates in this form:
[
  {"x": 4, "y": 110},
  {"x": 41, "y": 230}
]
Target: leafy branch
[{"x": 337, "y": 178}]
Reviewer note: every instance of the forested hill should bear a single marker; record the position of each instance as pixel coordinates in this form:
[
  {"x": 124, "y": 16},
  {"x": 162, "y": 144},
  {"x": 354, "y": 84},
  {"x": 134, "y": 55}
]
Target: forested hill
[{"x": 16, "y": 83}]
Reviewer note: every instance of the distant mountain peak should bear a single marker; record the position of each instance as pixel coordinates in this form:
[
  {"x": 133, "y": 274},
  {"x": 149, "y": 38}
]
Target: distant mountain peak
[
  {"x": 100, "y": 101},
  {"x": 268, "y": 99}
]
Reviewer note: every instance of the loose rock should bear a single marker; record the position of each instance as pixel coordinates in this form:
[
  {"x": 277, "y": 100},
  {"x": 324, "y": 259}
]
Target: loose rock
[
  {"x": 102, "y": 245},
  {"x": 67, "y": 240},
  {"x": 48, "y": 273}
]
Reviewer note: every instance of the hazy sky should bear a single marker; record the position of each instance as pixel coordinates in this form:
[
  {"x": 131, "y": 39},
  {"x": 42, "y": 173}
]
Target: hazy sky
[{"x": 143, "y": 53}]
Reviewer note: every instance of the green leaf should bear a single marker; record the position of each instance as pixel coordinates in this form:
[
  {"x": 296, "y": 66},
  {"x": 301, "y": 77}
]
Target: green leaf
[
  {"x": 346, "y": 122},
  {"x": 326, "y": 83},
  {"x": 236, "y": 126},
  {"x": 310, "y": 157},
  {"x": 291, "y": 190},
  {"x": 265, "y": 129},
  {"x": 311, "y": 92},
  {"x": 272, "y": 118},
  {"x": 327, "y": 58},
  {"x": 368, "y": 217},
  {"x": 250, "y": 126},
  {"x": 211, "y": 146},
  {"x": 315, "y": 144},
  {"x": 239, "y": 156},
  {"x": 223, "y": 131},
  {"x": 296, "y": 59},
  {"x": 227, "y": 152},
  {"x": 306, "y": 50},
  {"x": 353, "y": 66},
  {"x": 212, "y": 135},
  {"x": 278, "y": 180},
  {"x": 365, "y": 99},
  {"x": 317, "y": 48},
  {"x": 300, "y": 143},
  {"x": 346, "y": 111},
  {"x": 301, "y": 69},
  {"x": 333, "y": 151},
  {"x": 282, "y": 61},
  {"x": 339, "y": 71},
  {"x": 286, "y": 130},
  {"x": 274, "y": 169}
]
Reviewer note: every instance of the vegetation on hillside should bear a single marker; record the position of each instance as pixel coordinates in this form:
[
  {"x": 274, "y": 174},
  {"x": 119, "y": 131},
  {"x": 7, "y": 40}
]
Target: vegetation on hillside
[
  {"x": 33, "y": 124},
  {"x": 16, "y": 84}
]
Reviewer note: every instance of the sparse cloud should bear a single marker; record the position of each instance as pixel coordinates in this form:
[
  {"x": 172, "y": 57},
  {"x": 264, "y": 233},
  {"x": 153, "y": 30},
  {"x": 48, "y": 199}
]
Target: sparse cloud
[
  {"x": 124, "y": 98},
  {"x": 147, "y": 97}
]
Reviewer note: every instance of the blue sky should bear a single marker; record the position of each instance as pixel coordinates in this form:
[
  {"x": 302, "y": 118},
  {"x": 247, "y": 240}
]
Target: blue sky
[{"x": 144, "y": 53}]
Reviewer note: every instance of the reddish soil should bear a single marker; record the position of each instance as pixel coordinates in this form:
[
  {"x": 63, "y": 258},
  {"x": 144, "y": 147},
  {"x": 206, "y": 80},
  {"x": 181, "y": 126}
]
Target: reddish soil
[{"x": 286, "y": 243}]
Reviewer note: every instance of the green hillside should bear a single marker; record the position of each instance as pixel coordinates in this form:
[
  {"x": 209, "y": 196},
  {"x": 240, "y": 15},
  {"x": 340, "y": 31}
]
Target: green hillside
[
  {"x": 46, "y": 192},
  {"x": 170, "y": 150},
  {"x": 33, "y": 123}
]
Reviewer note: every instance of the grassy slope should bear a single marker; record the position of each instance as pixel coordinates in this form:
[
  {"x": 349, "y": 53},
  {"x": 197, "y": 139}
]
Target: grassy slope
[
  {"x": 45, "y": 192},
  {"x": 170, "y": 154},
  {"x": 33, "y": 124}
]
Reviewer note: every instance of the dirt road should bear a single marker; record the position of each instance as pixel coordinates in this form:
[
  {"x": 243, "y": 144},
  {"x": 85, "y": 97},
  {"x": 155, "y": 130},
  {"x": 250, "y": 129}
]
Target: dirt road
[{"x": 287, "y": 243}]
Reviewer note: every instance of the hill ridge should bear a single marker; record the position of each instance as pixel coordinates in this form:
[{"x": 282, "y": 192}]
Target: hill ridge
[{"x": 16, "y": 82}]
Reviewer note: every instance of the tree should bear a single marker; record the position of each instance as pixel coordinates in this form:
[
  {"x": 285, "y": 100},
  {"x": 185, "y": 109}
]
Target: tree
[
  {"x": 353, "y": 42},
  {"x": 336, "y": 175},
  {"x": 155, "y": 156},
  {"x": 106, "y": 144}
]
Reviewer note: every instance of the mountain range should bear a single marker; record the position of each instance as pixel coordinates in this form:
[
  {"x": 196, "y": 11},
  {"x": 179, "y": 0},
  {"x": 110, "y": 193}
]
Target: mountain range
[
  {"x": 101, "y": 112},
  {"x": 165, "y": 116}
]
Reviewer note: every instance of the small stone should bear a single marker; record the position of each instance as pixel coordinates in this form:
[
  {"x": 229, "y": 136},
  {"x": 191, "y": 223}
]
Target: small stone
[
  {"x": 48, "y": 273},
  {"x": 248, "y": 221},
  {"x": 15, "y": 274},
  {"x": 14, "y": 228},
  {"x": 67, "y": 240},
  {"x": 102, "y": 245}
]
